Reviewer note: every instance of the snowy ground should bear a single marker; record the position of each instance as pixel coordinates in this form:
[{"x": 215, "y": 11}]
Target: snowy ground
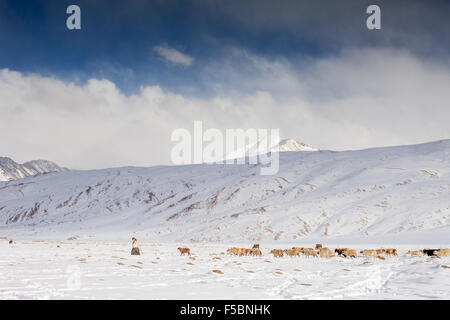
[{"x": 38, "y": 269}]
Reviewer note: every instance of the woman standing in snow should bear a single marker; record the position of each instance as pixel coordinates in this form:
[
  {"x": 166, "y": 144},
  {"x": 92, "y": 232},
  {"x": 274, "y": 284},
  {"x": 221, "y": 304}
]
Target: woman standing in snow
[{"x": 135, "y": 247}]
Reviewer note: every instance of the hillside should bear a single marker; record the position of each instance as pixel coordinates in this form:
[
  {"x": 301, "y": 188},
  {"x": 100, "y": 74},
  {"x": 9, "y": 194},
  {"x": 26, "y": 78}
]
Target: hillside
[{"x": 392, "y": 193}]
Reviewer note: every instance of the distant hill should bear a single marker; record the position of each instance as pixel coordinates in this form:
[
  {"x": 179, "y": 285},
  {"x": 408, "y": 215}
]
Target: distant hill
[{"x": 11, "y": 170}]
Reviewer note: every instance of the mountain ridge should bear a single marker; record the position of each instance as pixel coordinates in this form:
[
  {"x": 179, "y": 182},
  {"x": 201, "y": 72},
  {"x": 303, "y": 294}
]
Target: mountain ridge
[
  {"x": 11, "y": 170},
  {"x": 380, "y": 192}
]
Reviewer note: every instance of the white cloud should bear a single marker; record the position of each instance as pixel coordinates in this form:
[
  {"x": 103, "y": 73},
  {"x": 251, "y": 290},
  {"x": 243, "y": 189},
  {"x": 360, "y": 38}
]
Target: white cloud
[
  {"x": 173, "y": 55},
  {"x": 359, "y": 99}
]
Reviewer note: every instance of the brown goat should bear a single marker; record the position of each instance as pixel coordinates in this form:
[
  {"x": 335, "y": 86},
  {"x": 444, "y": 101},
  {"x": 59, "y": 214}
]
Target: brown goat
[
  {"x": 391, "y": 251},
  {"x": 184, "y": 250}
]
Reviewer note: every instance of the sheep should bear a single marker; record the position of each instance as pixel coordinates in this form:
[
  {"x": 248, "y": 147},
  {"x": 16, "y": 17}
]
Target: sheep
[
  {"x": 369, "y": 253},
  {"x": 318, "y": 246},
  {"x": 414, "y": 252},
  {"x": 243, "y": 251},
  {"x": 340, "y": 251},
  {"x": 236, "y": 251},
  {"x": 326, "y": 253},
  {"x": 256, "y": 252},
  {"x": 442, "y": 252},
  {"x": 309, "y": 252},
  {"x": 292, "y": 252},
  {"x": 277, "y": 253},
  {"x": 350, "y": 253},
  {"x": 255, "y": 246}
]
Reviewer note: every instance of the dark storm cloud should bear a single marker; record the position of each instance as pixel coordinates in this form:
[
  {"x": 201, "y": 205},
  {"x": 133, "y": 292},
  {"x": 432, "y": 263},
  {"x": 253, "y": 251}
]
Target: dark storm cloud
[
  {"x": 320, "y": 25},
  {"x": 126, "y": 31}
]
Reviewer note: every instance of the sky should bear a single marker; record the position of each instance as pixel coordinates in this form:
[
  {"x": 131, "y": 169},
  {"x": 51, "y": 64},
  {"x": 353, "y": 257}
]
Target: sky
[{"x": 112, "y": 93}]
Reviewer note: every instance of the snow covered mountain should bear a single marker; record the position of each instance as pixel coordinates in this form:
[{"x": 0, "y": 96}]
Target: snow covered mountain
[
  {"x": 266, "y": 145},
  {"x": 294, "y": 145},
  {"x": 384, "y": 193},
  {"x": 11, "y": 170}
]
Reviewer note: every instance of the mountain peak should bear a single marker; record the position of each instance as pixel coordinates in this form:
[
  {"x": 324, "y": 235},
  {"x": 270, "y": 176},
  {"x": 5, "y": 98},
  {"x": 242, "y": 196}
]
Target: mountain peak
[
  {"x": 265, "y": 145},
  {"x": 11, "y": 170},
  {"x": 294, "y": 145}
]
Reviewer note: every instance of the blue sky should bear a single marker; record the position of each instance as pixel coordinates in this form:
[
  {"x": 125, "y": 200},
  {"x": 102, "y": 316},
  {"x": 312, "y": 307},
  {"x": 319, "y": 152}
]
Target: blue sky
[
  {"x": 137, "y": 70},
  {"x": 117, "y": 37}
]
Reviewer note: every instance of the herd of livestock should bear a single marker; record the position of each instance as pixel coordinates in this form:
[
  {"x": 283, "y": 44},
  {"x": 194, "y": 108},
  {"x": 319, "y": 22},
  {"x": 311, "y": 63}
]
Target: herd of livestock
[
  {"x": 324, "y": 252},
  {"x": 317, "y": 251}
]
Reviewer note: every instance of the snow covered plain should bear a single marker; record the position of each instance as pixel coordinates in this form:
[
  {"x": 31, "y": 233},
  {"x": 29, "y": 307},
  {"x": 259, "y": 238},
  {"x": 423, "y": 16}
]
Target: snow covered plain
[
  {"x": 384, "y": 197},
  {"x": 37, "y": 269}
]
